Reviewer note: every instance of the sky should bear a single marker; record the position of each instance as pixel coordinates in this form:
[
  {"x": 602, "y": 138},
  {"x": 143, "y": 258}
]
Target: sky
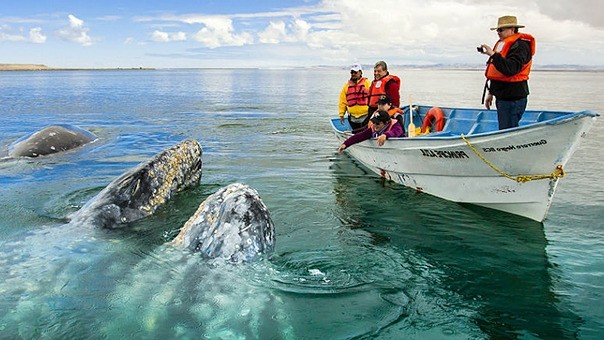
[{"x": 283, "y": 34}]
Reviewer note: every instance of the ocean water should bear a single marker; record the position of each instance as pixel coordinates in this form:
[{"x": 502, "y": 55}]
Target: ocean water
[{"x": 355, "y": 257}]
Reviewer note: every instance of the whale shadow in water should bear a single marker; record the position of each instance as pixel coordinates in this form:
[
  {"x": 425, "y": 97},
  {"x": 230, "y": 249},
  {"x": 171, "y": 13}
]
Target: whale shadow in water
[{"x": 49, "y": 140}]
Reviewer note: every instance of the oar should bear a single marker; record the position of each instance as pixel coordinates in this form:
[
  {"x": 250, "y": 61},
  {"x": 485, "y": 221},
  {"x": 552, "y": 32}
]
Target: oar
[{"x": 411, "y": 127}]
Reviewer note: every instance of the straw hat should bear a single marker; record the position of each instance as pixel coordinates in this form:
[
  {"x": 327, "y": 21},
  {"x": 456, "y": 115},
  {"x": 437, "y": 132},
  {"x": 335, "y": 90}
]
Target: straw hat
[{"x": 507, "y": 22}]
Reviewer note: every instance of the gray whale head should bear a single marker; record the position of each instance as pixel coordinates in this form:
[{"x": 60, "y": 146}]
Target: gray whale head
[
  {"x": 51, "y": 139},
  {"x": 232, "y": 223},
  {"x": 141, "y": 190}
]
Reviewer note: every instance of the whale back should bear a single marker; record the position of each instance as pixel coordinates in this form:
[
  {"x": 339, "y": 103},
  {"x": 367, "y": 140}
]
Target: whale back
[
  {"x": 141, "y": 190},
  {"x": 49, "y": 140}
]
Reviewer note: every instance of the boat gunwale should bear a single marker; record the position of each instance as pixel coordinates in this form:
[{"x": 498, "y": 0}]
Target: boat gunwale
[{"x": 554, "y": 121}]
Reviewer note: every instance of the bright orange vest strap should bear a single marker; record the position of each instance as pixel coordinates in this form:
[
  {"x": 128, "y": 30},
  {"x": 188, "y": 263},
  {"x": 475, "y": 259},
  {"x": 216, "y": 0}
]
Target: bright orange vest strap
[{"x": 395, "y": 111}]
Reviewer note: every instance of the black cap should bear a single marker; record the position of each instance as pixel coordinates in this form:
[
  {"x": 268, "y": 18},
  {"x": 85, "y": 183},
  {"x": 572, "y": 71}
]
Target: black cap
[
  {"x": 380, "y": 117},
  {"x": 384, "y": 99}
]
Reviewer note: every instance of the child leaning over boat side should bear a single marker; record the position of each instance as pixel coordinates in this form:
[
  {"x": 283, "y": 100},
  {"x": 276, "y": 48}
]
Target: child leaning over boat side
[
  {"x": 385, "y": 104},
  {"x": 380, "y": 126}
]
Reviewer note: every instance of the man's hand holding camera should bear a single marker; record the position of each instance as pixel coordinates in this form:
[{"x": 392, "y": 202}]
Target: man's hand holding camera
[{"x": 485, "y": 49}]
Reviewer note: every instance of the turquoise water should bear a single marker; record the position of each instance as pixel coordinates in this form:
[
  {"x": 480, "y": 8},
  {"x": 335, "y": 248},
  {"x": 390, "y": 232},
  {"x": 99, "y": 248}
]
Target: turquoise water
[{"x": 355, "y": 257}]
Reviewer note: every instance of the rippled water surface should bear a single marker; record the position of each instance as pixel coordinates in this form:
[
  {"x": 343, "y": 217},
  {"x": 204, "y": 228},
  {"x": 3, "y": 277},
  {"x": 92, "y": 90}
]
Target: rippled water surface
[{"x": 355, "y": 257}]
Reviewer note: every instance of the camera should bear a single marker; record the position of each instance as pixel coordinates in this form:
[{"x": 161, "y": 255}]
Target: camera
[{"x": 480, "y": 49}]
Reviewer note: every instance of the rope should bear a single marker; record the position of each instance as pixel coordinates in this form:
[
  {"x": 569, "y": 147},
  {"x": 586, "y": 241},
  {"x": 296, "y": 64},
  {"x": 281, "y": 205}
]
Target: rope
[{"x": 558, "y": 172}]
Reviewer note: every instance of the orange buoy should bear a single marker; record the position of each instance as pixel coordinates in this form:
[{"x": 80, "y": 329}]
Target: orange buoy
[{"x": 434, "y": 114}]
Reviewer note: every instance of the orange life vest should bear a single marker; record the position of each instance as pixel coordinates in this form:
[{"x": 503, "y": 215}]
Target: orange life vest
[
  {"x": 395, "y": 111},
  {"x": 503, "y": 47},
  {"x": 357, "y": 94},
  {"x": 378, "y": 88}
]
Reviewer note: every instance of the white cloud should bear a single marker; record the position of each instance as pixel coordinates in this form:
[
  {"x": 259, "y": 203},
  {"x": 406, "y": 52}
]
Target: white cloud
[
  {"x": 76, "y": 32},
  {"x": 442, "y": 31},
  {"x": 273, "y": 34},
  {"x": 582, "y": 11},
  {"x": 160, "y": 36},
  {"x": 20, "y": 20},
  {"x": 6, "y": 34},
  {"x": 300, "y": 29},
  {"x": 110, "y": 18},
  {"x": 75, "y": 22},
  {"x": 400, "y": 31},
  {"x": 219, "y": 31},
  {"x": 36, "y": 36},
  {"x": 296, "y": 30}
]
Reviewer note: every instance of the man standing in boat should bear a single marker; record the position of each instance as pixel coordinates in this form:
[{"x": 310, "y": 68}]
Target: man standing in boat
[
  {"x": 383, "y": 84},
  {"x": 508, "y": 71},
  {"x": 353, "y": 99}
]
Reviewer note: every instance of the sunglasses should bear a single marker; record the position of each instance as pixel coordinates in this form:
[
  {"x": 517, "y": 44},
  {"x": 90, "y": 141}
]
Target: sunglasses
[
  {"x": 501, "y": 29},
  {"x": 354, "y": 72}
]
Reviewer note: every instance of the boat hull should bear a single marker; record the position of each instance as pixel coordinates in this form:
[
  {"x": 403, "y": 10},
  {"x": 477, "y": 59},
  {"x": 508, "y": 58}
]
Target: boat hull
[{"x": 448, "y": 166}]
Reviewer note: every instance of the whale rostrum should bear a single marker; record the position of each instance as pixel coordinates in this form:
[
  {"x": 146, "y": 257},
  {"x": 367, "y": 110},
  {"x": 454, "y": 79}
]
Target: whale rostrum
[{"x": 232, "y": 223}]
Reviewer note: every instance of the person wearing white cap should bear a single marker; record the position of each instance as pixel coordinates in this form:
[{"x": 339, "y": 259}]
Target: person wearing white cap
[
  {"x": 353, "y": 98},
  {"x": 508, "y": 71}
]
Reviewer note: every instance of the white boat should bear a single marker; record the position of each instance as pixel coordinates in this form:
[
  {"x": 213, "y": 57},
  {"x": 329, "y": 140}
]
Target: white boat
[{"x": 470, "y": 161}]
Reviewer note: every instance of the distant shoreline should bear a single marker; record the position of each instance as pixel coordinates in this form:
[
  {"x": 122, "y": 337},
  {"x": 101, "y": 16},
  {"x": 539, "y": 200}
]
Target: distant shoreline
[
  {"x": 41, "y": 67},
  {"x": 544, "y": 68}
]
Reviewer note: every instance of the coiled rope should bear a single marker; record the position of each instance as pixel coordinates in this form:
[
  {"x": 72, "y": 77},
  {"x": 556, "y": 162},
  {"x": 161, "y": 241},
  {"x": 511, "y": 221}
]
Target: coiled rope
[{"x": 558, "y": 172}]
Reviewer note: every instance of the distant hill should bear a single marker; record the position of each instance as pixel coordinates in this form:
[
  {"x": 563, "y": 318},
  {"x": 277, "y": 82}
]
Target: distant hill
[
  {"x": 458, "y": 66},
  {"x": 23, "y": 67},
  {"x": 40, "y": 67}
]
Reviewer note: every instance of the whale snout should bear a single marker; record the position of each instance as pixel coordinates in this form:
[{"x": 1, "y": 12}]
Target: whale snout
[
  {"x": 139, "y": 192},
  {"x": 232, "y": 223}
]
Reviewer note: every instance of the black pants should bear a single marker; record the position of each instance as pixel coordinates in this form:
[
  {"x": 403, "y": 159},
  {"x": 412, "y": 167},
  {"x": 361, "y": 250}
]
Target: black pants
[{"x": 358, "y": 126}]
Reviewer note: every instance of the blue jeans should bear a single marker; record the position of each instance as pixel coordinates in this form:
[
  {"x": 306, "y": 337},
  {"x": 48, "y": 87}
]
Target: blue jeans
[{"x": 509, "y": 112}]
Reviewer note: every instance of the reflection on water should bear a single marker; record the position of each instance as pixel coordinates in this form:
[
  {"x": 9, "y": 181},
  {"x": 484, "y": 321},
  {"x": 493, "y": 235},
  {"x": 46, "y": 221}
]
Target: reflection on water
[{"x": 495, "y": 262}]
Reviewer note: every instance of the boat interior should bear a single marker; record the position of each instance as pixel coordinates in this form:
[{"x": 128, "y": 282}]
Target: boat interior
[
  {"x": 471, "y": 121},
  {"x": 458, "y": 121}
]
